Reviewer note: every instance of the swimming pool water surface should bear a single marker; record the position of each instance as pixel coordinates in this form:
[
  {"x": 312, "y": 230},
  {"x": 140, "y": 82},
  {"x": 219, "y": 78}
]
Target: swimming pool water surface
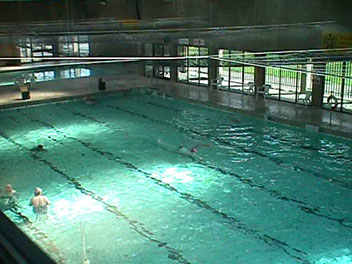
[{"x": 115, "y": 173}]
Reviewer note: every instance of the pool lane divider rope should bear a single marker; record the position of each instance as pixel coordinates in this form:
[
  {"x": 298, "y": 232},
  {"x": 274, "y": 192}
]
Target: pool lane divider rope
[
  {"x": 137, "y": 226},
  {"x": 232, "y": 221},
  {"x": 277, "y": 161},
  {"x": 301, "y": 205}
]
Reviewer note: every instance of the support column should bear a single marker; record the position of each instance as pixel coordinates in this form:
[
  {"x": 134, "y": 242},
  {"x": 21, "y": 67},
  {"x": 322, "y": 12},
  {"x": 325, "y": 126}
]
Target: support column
[
  {"x": 343, "y": 84},
  {"x": 141, "y": 65},
  {"x": 56, "y": 45},
  {"x": 173, "y": 67},
  {"x": 318, "y": 90},
  {"x": 303, "y": 85},
  {"x": 259, "y": 79},
  {"x": 212, "y": 64},
  {"x": 10, "y": 50}
]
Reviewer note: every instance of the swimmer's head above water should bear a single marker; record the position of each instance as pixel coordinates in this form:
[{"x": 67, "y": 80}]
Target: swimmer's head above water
[
  {"x": 40, "y": 147},
  {"x": 9, "y": 188},
  {"x": 38, "y": 191}
]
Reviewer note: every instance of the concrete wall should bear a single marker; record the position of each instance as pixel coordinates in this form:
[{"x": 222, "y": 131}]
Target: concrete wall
[
  {"x": 65, "y": 10},
  {"x": 9, "y": 50},
  {"x": 221, "y": 12},
  {"x": 108, "y": 46},
  {"x": 264, "y": 12}
]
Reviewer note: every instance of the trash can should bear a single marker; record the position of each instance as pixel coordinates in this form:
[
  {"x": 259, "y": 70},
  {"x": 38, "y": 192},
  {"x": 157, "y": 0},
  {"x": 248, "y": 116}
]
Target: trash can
[
  {"x": 101, "y": 84},
  {"x": 24, "y": 88}
]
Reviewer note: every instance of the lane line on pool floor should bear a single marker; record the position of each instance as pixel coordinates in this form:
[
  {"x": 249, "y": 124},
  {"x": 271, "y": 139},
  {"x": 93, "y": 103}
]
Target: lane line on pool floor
[
  {"x": 274, "y": 193},
  {"x": 137, "y": 226},
  {"x": 301, "y": 205},
  {"x": 188, "y": 197},
  {"x": 277, "y": 161}
]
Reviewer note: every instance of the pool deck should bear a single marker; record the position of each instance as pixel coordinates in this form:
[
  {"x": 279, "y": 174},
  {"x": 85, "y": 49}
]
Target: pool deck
[
  {"x": 59, "y": 90},
  {"x": 310, "y": 118},
  {"x": 58, "y": 63}
]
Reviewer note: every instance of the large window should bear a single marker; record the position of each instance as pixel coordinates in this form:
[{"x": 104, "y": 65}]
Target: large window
[
  {"x": 337, "y": 86},
  {"x": 193, "y": 70},
  {"x": 234, "y": 76},
  {"x": 36, "y": 49},
  {"x": 72, "y": 46},
  {"x": 25, "y": 50},
  {"x": 32, "y": 50},
  {"x": 161, "y": 67},
  {"x": 182, "y": 70},
  {"x": 287, "y": 85}
]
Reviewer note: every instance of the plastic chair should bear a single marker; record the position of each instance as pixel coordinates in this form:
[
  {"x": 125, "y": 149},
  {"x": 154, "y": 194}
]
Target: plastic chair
[
  {"x": 307, "y": 100},
  {"x": 217, "y": 82}
]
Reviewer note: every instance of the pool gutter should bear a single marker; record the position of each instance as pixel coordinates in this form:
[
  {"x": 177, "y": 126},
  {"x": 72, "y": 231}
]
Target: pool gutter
[{"x": 16, "y": 247}]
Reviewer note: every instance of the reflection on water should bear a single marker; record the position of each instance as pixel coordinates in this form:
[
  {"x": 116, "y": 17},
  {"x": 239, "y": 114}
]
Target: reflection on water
[{"x": 9, "y": 78}]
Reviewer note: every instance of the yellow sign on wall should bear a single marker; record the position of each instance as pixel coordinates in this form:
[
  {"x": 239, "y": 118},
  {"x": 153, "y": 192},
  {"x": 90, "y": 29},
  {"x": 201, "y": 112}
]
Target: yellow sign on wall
[{"x": 333, "y": 40}]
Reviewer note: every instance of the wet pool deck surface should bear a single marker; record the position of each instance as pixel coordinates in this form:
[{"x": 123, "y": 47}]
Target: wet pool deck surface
[
  {"x": 308, "y": 117},
  {"x": 58, "y": 90}
]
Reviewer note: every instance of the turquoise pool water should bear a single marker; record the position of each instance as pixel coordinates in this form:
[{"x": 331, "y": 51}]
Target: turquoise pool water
[{"x": 254, "y": 192}]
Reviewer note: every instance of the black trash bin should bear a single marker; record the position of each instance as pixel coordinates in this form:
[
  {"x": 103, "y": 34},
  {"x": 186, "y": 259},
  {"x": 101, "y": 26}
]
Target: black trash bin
[
  {"x": 101, "y": 84},
  {"x": 25, "y": 91}
]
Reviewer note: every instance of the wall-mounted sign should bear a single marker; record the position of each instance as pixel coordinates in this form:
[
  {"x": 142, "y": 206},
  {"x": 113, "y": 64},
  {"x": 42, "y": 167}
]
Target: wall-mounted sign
[{"x": 333, "y": 40}]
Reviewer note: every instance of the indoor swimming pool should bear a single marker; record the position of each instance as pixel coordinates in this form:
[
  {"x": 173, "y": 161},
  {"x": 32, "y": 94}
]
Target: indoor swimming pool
[{"x": 142, "y": 178}]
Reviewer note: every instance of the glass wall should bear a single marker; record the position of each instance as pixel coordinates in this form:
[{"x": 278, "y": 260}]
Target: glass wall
[
  {"x": 72, "y": 46},
  {"x": 193, "y": 70},
  {"x": 337, "y": 86},
  {"x": 290, "y": 83},
  {"x": 182, "y": 70},
  {"x": 64, "y": 46},
  {"x": 161, "y": 68},
  {"x": 286, "y": 85},
  {"x": 235, "y": 77},
  {"x": 26, "y": 50},
  {"x": 38, "y": 49}
]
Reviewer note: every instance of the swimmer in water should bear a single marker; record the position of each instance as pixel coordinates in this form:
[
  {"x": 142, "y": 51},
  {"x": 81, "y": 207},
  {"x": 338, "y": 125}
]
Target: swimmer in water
[
  {"x": 38, "y": 148},
  {"x": 40, "y": 203},
  {"x": 8, "y": 197},
  {"x": 193, "y": 149}
]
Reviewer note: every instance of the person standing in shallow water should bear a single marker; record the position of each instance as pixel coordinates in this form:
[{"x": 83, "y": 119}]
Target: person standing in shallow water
[
  {"x": 40, "y": 203},
  {"x": 8, "y": 197}
]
